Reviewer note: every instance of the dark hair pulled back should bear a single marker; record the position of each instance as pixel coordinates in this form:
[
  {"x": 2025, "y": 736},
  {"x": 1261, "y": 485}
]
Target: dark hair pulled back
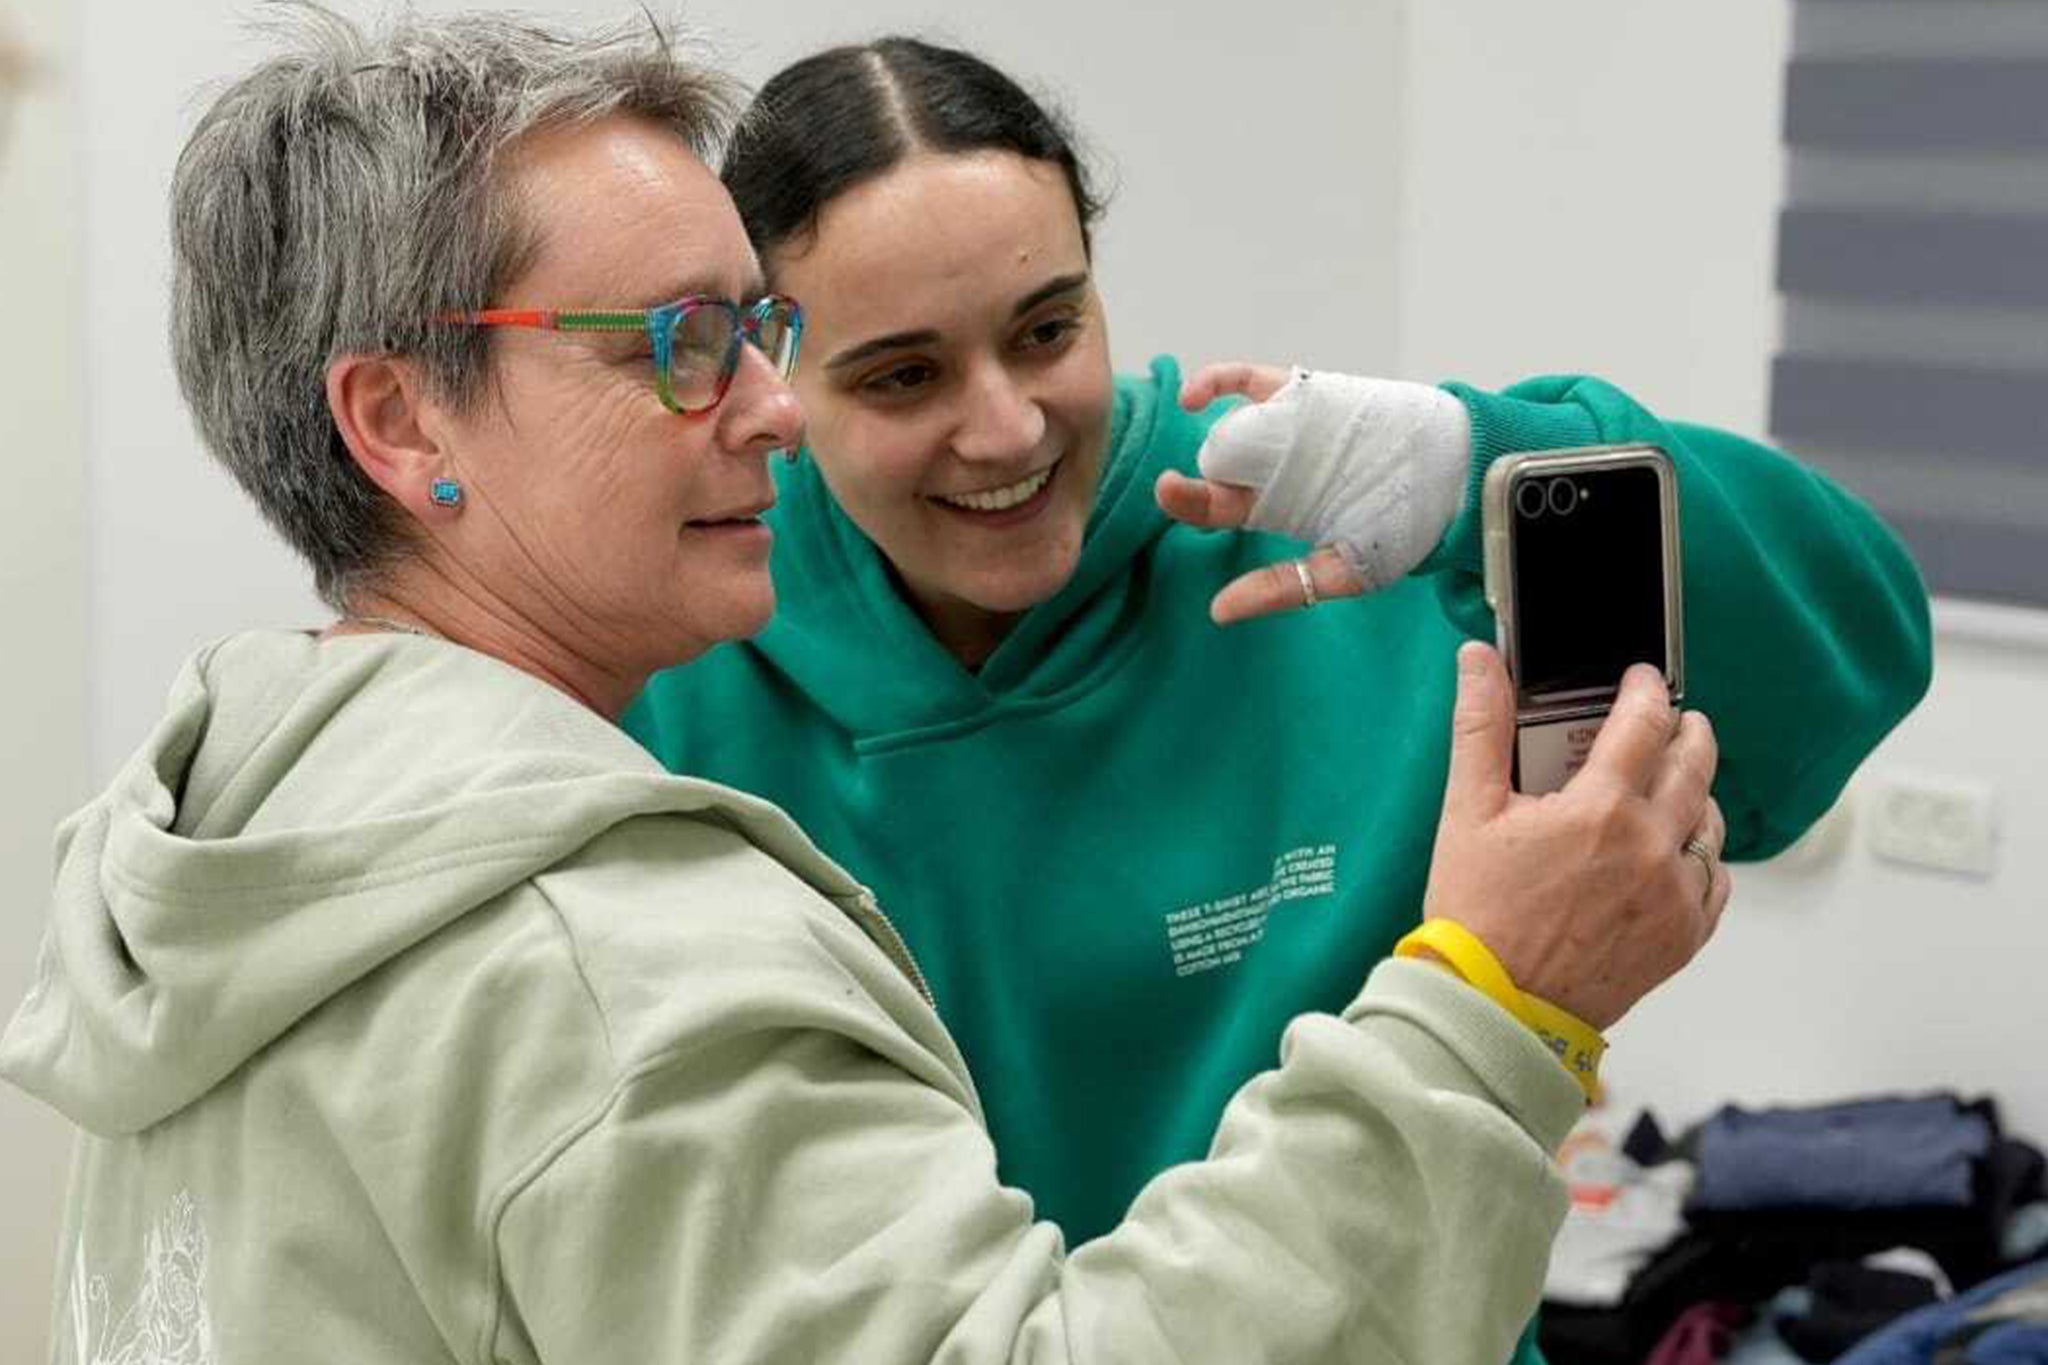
[{"x": 825, "y": 124}]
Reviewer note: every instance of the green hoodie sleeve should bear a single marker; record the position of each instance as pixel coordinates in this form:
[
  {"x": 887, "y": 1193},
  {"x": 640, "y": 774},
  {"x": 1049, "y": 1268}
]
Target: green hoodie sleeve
[
  {"x": 794, "y": 1168},
  {"x": 1806, "y": 624}
]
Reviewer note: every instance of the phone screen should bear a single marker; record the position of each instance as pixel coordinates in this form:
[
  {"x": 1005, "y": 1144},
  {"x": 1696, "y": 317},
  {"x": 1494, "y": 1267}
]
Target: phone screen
[{"x": 1588, "y": 565}]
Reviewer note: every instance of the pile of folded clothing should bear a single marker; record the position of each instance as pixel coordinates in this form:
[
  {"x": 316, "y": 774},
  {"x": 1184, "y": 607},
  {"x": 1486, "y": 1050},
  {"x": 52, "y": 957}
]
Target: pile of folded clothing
[{"x": 1784, "y": 1234}]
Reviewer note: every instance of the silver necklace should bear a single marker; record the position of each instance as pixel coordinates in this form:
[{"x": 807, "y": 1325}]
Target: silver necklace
[{"x": 387, "y": 623}]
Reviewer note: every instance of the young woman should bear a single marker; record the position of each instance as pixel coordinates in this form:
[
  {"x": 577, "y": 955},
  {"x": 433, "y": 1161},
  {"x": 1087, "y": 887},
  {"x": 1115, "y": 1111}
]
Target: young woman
[{"x": 1127, "y": 845}]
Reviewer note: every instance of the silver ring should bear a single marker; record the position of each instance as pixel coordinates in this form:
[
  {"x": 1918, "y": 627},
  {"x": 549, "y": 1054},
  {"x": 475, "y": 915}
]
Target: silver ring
[
  {"x": 1696, "y": 847},
  {"x": 1308, "y": 584}
]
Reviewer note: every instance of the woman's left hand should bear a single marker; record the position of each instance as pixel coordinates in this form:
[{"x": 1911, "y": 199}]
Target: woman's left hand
[{"x": 1370, "y": 468}]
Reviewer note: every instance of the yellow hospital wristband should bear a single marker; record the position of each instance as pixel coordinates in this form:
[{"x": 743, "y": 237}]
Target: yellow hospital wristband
[{"x": 1576, "y": 1044}]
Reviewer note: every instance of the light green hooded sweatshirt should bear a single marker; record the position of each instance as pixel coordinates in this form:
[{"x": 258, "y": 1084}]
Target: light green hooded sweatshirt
[{"x": 412, "y": 1014}]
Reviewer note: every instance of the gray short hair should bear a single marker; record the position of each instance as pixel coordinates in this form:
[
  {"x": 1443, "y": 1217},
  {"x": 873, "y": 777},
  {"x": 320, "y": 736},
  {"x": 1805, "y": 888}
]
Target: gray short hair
[{"x": 343, "y": 194}]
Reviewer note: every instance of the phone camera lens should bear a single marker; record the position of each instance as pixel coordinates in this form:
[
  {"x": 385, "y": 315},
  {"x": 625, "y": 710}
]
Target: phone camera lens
[
  {"x": 1563, "y": 496},
  {"x": 1529, "y": 499}
]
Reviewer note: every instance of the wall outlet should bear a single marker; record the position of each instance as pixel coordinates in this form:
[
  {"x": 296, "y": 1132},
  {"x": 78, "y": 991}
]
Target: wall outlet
[{"x": 1936, "y": 822}]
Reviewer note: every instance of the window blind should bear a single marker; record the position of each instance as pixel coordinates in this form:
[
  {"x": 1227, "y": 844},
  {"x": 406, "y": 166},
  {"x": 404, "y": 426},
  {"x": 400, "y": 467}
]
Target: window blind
[{"x": 1913, "y": 263}]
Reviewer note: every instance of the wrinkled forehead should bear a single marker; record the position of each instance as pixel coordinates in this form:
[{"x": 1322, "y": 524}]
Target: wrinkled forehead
[{"x": 620, "y": 212}]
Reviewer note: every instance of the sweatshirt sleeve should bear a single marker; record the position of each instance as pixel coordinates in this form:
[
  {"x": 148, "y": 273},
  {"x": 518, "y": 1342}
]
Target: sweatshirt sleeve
[
  {"x": 1806, "y": 624},
  {"x": 794, "y": 1186}
]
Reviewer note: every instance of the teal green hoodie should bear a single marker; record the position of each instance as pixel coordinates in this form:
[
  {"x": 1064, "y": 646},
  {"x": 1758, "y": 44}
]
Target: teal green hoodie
[
  {"x": 1133, "y": 845},
  {"x": 414, "y": 1016}
]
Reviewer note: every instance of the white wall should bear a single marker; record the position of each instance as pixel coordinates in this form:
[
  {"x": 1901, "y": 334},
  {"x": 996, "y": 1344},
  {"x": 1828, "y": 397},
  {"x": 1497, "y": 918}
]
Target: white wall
[
  {"x": 43, "y": 603},
  {"x": 1251, "y": 161},
  {"x": 1592, "y": 188}
]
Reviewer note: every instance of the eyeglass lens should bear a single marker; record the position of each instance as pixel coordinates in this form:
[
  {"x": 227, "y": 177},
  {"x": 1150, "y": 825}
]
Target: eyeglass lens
[{"x": 706, "y": 349}]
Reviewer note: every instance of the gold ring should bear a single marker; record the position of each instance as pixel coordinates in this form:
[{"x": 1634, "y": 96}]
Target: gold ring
[
  {"x": 1696, "y": 847},
  {"x": 1308, "y": 584}
]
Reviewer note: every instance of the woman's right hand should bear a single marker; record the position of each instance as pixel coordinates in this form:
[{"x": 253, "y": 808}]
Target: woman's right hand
[{"x": 1586, "y": 895}]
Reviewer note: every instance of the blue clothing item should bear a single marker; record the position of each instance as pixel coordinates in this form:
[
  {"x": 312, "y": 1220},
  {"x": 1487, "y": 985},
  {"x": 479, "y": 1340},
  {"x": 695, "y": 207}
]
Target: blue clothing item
[
  {"x": 1916, "y": 1338},
  {"x": 2009, "y": 1343},
  {"x": 1868, "y": 1154}
]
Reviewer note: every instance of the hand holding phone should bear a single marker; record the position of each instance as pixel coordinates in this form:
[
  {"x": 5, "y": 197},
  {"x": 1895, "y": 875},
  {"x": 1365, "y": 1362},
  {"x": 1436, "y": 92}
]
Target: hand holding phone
[
  {"x": 1587, "y": 896},
  {"x": 1583, "y": 575}
]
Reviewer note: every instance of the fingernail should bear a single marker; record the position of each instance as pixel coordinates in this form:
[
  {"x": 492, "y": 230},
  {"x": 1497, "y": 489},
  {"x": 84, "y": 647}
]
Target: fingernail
[{"x": 1471, "y": 659}]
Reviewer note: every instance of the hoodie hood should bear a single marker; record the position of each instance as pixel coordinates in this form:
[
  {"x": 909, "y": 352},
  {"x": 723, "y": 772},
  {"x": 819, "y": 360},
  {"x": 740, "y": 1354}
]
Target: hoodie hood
[
  {"x": 305, "y": 812},
  {"x": 847, "y": 638}
]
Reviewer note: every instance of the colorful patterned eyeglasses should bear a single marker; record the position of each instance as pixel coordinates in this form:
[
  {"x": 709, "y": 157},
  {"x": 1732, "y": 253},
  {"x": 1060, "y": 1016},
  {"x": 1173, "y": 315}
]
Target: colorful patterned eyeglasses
[{"x": 696, "y": 340}]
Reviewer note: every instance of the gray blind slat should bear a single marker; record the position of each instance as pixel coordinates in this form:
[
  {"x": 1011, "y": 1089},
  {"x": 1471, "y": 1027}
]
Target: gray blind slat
[
  {"x": 1993, "y": 415},
  {"x": 1920, "y": 28},
  {"x": 1898, "y": 105},
  {"x": 1976, "y": 559},
  {"x": 1930, "y": 182},
  {"x": 1955, "y": 336},
  {"x": 1999, "y": 259}
]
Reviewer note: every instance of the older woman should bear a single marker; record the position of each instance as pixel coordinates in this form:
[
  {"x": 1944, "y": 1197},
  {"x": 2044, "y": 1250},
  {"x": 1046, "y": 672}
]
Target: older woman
[{"x": 412, "y": 1014}]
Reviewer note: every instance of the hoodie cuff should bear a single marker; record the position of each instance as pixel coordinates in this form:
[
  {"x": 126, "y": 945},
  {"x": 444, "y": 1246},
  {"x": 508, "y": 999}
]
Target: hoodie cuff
[
  {"x": 1454, "y": 1038},
  {"x": 1502, "y": 426}
]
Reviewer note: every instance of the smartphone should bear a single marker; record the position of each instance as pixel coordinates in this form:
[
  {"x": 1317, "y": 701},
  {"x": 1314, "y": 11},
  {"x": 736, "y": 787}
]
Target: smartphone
[{"x": 1582, "y": 573}]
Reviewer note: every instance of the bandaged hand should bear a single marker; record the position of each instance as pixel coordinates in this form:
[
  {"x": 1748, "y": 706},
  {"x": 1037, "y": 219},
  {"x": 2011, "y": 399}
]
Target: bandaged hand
[{"x": 1371, "y": 471}]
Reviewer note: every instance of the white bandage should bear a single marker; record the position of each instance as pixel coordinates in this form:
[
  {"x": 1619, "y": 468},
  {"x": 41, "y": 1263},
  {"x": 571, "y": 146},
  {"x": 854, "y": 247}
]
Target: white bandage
[{"x": 1373, "y": 467}]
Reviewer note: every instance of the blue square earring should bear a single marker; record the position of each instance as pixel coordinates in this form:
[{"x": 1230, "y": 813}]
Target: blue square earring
[{"x": 445, "y": 493}]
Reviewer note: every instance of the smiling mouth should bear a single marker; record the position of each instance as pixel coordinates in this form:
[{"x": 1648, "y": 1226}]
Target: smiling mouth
[{"x": 1000, "y": 499}]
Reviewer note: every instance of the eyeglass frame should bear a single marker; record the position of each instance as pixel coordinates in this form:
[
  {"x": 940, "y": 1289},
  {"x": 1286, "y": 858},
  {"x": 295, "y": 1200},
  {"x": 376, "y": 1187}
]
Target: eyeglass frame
[{"x": 661, "y": 325}]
